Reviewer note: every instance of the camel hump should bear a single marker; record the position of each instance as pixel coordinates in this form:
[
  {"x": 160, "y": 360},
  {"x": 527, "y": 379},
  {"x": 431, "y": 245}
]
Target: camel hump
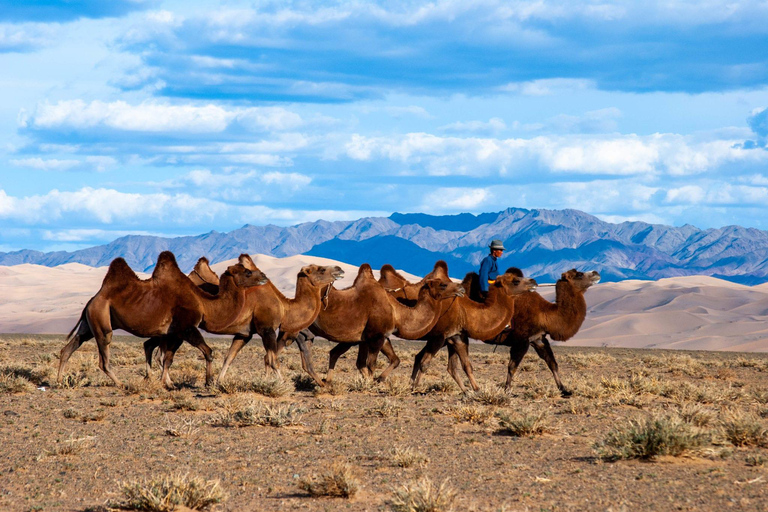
[
  {"x": 441, "y": 265},
  {"x": 471, "y": 284},
  {"x": 245, "y": 260},
  {"x": 166, "y": 266},
  {"x": 388, "y": 269},
  {"x": 364, "y": 273},
  {"x": 120, "y": 272},
  {"x": 514, "y": 271}
]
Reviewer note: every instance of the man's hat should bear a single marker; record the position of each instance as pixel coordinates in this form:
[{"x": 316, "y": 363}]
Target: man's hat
[{"x": 497, "y": 245}]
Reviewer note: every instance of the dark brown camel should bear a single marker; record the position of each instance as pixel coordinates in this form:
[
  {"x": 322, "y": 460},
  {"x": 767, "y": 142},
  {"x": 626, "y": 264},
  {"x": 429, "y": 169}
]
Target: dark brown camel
[
  {"x": 366, "y": 314},
  {"x": 167, "y": 305},
  {"x": 466, "y": 319},
  {"x": 535, "y": 318},
  {"x": 268, "y": 310}
]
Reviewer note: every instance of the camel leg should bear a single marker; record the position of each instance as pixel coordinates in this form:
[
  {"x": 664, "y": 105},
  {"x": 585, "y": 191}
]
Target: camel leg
[
  {"x": 453, "y": 366},
  {"x": 102, "y": 341},
  {"x": 269, "y": 339},
  {"x": 305, "y": 347},
  {"x": 388, "y": 350},
  {"x": 82, "y": 335},
  {"x": 333, "y": 356},
  {"x": 544, "y": 350},
  {"x": 373, "y": 347},
  {"x": 195, "y": 338},
  {"x": 422, "y": 359},
  {"x": 173, "y": 344},
  {"x": 517, "y": 351},
  {"x": 149, "y": 347},
  {"x": 461, "y": 345},
  {"x": 238, "y": 342}
]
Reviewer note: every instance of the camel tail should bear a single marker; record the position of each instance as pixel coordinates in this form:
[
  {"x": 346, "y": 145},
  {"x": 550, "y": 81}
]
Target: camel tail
[{"x": 81, "y": 321}]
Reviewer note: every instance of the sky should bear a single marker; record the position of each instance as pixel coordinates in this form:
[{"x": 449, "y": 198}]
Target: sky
[{"x": 178, "y": 118}]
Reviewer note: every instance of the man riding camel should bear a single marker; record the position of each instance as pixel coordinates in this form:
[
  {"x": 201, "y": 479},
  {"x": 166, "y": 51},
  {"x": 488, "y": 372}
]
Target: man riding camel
[{"x": 489, "y": 268}]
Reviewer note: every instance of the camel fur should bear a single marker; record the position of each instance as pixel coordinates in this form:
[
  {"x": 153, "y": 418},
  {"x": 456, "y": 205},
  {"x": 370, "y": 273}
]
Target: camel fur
[
  {"x": 466, "y": 319},
  {"x": 167, "y": 305},
  {"x": 536, "y": 318}
]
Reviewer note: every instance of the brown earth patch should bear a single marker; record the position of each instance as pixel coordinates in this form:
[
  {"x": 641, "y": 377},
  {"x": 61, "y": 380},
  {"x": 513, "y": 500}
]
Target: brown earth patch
[{"x": 73, "y": 447}]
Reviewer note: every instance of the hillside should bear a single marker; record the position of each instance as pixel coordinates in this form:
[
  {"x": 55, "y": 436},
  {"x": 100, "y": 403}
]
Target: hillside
[{"x": 542, "y": 242}]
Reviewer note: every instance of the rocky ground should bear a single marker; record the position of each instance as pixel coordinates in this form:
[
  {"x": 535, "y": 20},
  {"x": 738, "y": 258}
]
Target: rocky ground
[{"x": 644, "y": 430}]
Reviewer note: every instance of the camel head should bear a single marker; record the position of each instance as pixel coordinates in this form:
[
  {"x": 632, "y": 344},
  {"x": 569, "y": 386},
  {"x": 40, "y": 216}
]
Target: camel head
[
  {"x": 244, "y": 277},
  {"x": 512, "y": 284},
  {"x": 322, "y": 275},
  {"x": 440, "y": 290},
  {"x": 581, "y": 280}
]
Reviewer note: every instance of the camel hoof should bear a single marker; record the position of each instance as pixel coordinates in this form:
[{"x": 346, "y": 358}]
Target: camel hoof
[{"x": 565, "y": 393}]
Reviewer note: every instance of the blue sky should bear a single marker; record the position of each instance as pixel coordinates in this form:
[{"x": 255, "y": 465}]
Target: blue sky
[{"x": 182, "y": 117}]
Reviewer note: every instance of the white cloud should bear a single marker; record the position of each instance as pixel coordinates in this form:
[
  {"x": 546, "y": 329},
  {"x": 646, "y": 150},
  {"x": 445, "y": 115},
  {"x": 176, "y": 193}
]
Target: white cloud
[
  {"x": 619, "y": 155},
  {"x": 156, "y": 117},
  {"x": 90, "y": 163},
  {"x": 291, "y": 180},
  {"x": 108, "y": 206},
  {"x": 493, "y": 125},
  {"x": 25, "y": 36},
  {"x": 456, "y": 199},
  {"x": 548, "y": 86}
]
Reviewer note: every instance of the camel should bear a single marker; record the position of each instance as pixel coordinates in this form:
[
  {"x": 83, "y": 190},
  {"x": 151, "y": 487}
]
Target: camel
[
  {"x": 466, "y": 318},
  {"x": 535, "y": 318},
  {"x": 168, "y": 305},
  {"x": 205, "y": 278},
  {"x": 367, "y": 315},
  {"x": 268, "y": 310}
]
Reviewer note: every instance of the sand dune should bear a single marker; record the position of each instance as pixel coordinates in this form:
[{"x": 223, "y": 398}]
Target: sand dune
[{"x": 691, "y": 313}]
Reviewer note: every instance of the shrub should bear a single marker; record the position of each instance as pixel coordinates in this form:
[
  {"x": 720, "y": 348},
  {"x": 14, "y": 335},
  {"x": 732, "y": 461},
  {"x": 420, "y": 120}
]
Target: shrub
[
  {"x": 165, "y": 494},
  {"x": 424, "y": 496},
  {"x": 406, "y": 457},
  {"x": 489, "y": 395},
  {"x": 649, "y": 438},
  {"x": 524, "y": 423},
  {"x": 744, "y": 429},
  {"x": 339, "y": 481}
]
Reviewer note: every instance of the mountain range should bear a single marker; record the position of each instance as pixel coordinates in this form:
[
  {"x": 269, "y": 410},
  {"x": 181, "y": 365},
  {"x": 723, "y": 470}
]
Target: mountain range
[{"x": 544, "y": 243}]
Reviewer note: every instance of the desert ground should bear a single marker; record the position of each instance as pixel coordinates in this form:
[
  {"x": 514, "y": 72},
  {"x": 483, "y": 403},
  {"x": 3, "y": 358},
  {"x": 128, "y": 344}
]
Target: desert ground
[{"x": 645, "y": 429}]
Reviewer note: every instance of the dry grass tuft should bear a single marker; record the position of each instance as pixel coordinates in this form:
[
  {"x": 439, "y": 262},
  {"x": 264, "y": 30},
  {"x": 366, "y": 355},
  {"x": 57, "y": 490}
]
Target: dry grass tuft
[
  {"x": 744, "y": 429},
  {"x": 340, "y": 481},
  {"x": 526, "y": 423},
  {"x": 303, "y": 382},
  {"x": 441, "y": 386},
  {"x": 75, "y": 380},
  {"x": 489, "y": 395},
  {"x": 474, "y": 414},
  {"x": 72, "y": 446},
  {"x": 166, "y": 494},
  {"x": 182, "y": 427},
  {"x": 274, "y": 388},
  {"x": 424, "y": 496},
  {"x": 649, "y": 438},
  {"x": 397, "y": 386},
  {"x": 385, "y": 409},
  {"x": 406, "y": 457},
  {"x": 244, "y": 415},
  {"x": 361, "y": 384},
  {"x": 333, "y": 388}
]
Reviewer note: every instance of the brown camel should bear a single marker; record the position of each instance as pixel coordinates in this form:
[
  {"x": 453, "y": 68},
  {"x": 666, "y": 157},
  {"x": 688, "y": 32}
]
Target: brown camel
[
  {"x": 273, "y": 311},
  {"x": 167, "y": 305},
  {"x": 401, "y": 288},
  {"x": 466, "y": 319},
  {"x": 366, "y": 314},
  {"x": 268, "y": 310},
  {"x": 535, "y": 318}
]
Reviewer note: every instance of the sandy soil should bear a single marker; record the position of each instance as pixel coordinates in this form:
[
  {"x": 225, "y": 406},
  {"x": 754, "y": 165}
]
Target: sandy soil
[{"x": 72, "y": 448}]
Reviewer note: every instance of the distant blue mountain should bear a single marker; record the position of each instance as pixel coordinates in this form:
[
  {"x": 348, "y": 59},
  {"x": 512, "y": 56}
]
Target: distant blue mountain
[{"x": 544, "y": 243}]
